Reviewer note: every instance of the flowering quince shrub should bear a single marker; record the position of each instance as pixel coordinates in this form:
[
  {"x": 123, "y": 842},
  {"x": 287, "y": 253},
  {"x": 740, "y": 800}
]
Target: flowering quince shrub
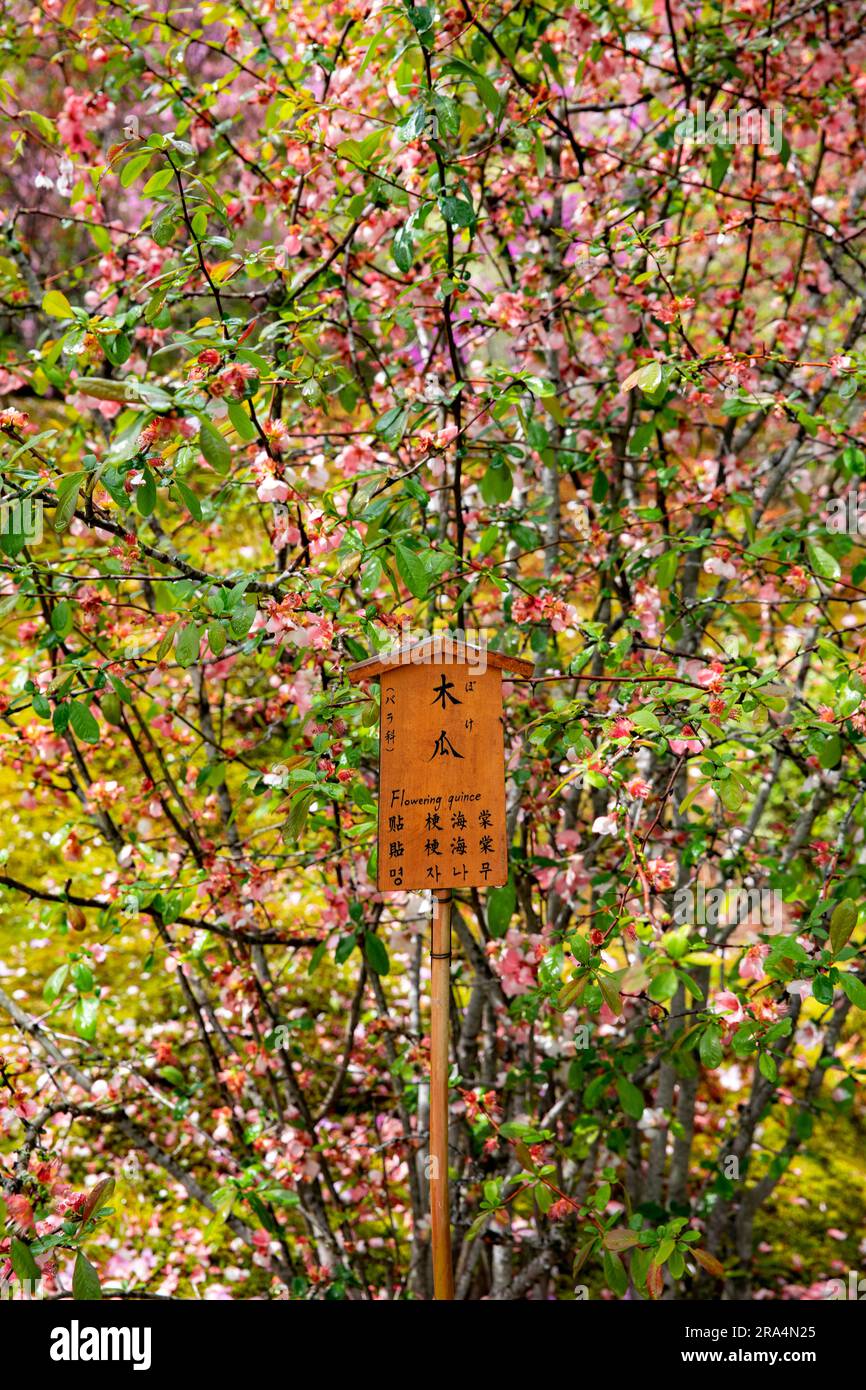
[{"x": 325, "y": 317}]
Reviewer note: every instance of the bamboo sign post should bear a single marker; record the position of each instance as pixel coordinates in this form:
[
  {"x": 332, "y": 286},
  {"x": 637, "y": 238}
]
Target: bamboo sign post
[{"x": 441, "y": 826}]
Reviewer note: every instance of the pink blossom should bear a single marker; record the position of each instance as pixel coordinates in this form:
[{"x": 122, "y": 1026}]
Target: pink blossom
[
  {"x": 638, "y": 787},
  {"x": 729, "y": 1006},
  {"x": 687, "y": 744},
  {"x": 662, "y": 874},
  {"x": 751, "y": 966},
  {"x": 621, "y": 727},
  {"x": 716, "y": 565},
  {"x": 272, "y": 490}
]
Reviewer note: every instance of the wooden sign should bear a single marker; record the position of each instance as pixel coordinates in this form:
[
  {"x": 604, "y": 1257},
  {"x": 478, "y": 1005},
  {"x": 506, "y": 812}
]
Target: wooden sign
[
  {"x": 441, "y": 765},
  {"x": 441, "y": 826}
]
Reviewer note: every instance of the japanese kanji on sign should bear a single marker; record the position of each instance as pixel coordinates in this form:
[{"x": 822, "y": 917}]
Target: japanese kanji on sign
[{"x": 442, "y": 788}]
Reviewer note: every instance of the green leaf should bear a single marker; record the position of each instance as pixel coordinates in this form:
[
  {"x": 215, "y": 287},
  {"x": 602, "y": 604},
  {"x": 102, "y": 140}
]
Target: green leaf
[
  {"x": 214, "y": 447},
  {"x": 483, "y": 85},
  {"x": 60, "y": 718},
  {"x": 830, "y": 751},
  {"x": 822, "y": 562},
  {"x": 345, "y": 947},
  {"x": 663, "y": 986},
  {"x": 174, "y": 1076},
  {"x": 710, "y": 1048},
  {"x": 456, "y": 211},
  {"x": 767, "y": 1067},
  {"x": 118, "y": 349},
  {"x": 61, "y": 618},
  {"x": 83, "y": 722},
  {"x": 164, "y": 229},
  {"x": 22, "y": 1261},
  {"x": 822, "y": 990},
  {"x": 402, "y": 248},
  {"x": 854, "y": 989},
  {"x": 392, "y": 425},
  {"x": 639, "y": 1263},
  {"x": 842, "y": 924},
  {"x": 46, "y": 127},
  {"x": 571, "y": 992},
  {"x": 136, "y": 166},
  {"x": 666, "y": 569},
  {"x": 157, "y": 182},
  {"x": 371, "y": 576},
  {"x": 630, "y": 1098},
  {"x": 579, "y": 948},
  {"x": 731, "y": 793},
  {"x": 187, "y": 643},
  {"x": 610, "y": 993},
  {"x": 645, "y": 719},
  {"x": 85, "y": 1280},
  {"x": 122, "y": 692},
  {"x": 620, "y": 1240},
  {"x": 97, "y": 1198},
  {"x": 614, "y": 1273},
  {"x": 411, "y": 570},
  {"x": 501, "y": 903},
  {"x": 189, "y": 499},
  {"x": 67, "y": 499},
  {"x": 145, "y": 496},
  {"x": 664, "y": 1251},
  {"x": 242, "y": 620},
  {"x": 736, "y": 407},
  {"x": 241, "y": 422},
  {"x": 82, "y": 977},
  {"x": 54, "y": 984},
  {"x": 544, "y": 1198},
  {"x": 720, "y": 160},
  {"x": 84, "y": 1017},
  {"x": 519, "y": 1129},
  {"x": 497, "y": 484},
  {"x": 298, "y": 812},
  {"x": 56, "y": 305},
  {"x": 223, "y": 1201},
  {"x": 377, "y": 953},
  {"x": 648, "y": 378}
]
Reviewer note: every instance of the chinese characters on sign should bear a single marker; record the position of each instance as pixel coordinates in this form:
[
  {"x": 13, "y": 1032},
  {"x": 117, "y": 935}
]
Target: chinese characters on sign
[
  {"x": 441, "y": 767},
  {"x": 442, "y": 778}
]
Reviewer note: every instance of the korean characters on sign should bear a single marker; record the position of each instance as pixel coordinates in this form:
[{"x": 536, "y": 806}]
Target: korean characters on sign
[
  {"x": 441, "y": 765},
  {"x": 442, "y": 778}
]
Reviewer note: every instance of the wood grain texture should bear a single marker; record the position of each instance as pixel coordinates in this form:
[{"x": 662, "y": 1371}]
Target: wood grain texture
[
  {"x": 440, "y": 997},
  {"x": 442, "y": 648},
  {"x": 441, "y": 779}
]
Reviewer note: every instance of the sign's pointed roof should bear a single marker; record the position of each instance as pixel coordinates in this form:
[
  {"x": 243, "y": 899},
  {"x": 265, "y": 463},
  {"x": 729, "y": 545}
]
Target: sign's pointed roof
[{"x": 442, "y": 649}]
